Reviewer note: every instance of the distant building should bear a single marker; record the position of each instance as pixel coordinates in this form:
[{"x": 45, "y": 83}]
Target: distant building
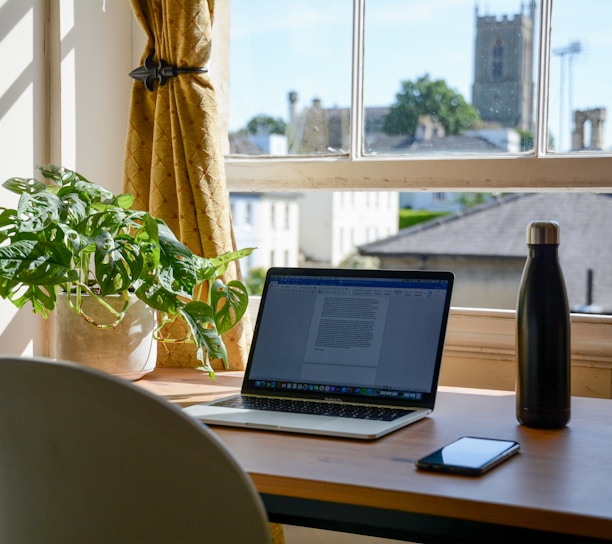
[
  {"x": 595, "y": 119},
  {"x": 334, "y": 224},
  {"x": 259, "y": 144},
  {"x": 268, "y": 222},
  {"x": 442, "y": 201},
  {"x": 486, "y": 249},
  {"x": 503, "y": 87}
]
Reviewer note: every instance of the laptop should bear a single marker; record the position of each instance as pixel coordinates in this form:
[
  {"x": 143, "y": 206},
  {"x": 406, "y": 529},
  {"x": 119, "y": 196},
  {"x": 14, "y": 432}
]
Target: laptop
[{"x": 341, "y": 352}]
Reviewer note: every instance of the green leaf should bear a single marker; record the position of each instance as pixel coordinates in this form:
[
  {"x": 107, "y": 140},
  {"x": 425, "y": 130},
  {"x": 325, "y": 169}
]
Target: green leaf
[
  {"x": 205, "y": 269},
  {"x": 125, "y": 201},
  {"x": 8, "y": 223},
  {"x": 118, "y": 263},
  {"x": 177, "y": 271},
  {"x": 94, "y": 192},
  {"x": 75, "y": 210},
  {"x": 147, "y": 237},
  {"x": 36, "y": 263},
  {"x": 31, "y": 271},
  {"x": 79, "y": 244},
  {"x": 220, "y": 262},
  {"x": 42, "y": 297},
  {"x": 37, "y": 211},
  {"x": 229, "y": 302},
  {"x": 199, "y": 317},
  {"x": 24, "y": 185},
  {"x": 59, "y": 175},
  {"x": 159, "y": 298},
  {"x": 111, "y": 221}
]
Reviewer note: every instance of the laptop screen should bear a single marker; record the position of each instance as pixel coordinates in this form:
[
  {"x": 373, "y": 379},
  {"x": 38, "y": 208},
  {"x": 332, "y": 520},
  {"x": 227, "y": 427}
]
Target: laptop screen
[{"x": 361, "y": 335}]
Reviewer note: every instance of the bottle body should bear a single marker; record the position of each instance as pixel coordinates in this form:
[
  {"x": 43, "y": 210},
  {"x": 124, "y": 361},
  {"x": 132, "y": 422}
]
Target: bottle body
[{"x": 543, "y": 342}]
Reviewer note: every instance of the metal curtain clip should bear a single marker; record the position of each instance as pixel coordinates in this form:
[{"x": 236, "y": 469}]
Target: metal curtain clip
[{"x": 149, "y": 72}]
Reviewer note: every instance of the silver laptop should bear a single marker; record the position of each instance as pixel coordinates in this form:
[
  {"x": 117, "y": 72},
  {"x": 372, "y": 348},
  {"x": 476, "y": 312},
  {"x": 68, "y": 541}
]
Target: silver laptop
[{"x": 350, "y": 353}]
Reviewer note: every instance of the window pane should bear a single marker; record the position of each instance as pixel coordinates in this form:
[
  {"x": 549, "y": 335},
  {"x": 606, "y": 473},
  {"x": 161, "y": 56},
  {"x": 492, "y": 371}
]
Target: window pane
[
  {"x": 580, "y": 78},
  {"x": 290, "y": 76},
  {"x": 444, "y": 77},
  {"x": 481, "y": 237}
]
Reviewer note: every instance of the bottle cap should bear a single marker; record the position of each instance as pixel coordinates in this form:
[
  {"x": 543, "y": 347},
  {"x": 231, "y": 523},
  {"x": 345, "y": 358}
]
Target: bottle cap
[{"x": 543, "y": 232}]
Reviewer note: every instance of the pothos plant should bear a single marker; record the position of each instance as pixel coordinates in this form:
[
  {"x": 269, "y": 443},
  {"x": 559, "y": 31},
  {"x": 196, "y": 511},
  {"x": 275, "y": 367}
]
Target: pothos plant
[{"x": 69, "y": 234}]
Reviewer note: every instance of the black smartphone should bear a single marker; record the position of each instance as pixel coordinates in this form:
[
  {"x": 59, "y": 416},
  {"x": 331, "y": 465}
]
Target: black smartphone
[{"x": 469, "y": 455}]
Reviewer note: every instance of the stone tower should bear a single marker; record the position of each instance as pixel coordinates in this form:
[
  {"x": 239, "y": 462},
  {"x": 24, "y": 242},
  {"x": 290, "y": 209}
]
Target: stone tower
[{"x": 503, "y": 68}]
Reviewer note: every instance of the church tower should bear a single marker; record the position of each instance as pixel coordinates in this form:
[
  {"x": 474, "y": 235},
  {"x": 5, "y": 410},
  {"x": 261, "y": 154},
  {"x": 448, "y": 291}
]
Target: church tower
[{"x": 503, "y": 68}]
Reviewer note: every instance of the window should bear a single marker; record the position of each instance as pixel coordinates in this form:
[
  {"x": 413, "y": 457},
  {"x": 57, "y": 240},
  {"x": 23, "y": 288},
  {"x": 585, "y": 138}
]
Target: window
[
  {"x": 498, "y": 60},
  {"x": 272, "y": 215},
  {"x": 339, "y": 114},
  {"x": 287, "y": 216}
]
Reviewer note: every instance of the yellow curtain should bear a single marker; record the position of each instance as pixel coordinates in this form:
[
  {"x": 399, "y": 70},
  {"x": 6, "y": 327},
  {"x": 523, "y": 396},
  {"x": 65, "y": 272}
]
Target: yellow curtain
[{"x": 174, "y": 165}]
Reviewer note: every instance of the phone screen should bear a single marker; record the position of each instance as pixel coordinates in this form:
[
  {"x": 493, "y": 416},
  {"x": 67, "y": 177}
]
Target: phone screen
[{"x": 469, "y": 455}]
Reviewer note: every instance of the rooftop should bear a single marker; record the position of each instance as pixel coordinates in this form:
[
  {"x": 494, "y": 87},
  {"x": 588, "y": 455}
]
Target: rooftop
[{"x": 498, "y": 230}]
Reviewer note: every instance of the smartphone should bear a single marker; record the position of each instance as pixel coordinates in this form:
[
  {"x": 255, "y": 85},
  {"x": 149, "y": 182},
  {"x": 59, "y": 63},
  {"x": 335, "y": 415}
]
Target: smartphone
[{"x": 469, "y": 455}]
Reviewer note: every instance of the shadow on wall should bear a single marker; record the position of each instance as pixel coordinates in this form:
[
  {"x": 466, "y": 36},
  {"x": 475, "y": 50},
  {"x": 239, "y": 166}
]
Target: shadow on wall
[
  {"x": 10, "y": 14},
  {"x": 23, "y": 333}
]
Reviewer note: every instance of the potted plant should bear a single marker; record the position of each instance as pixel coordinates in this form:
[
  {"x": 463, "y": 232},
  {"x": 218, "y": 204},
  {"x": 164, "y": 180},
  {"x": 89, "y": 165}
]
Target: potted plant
[{"x": 73, "y": 236}]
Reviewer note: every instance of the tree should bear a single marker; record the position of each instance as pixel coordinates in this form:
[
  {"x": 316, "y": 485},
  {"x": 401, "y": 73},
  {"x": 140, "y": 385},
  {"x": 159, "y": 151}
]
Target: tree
[
  {"x": 265, "y": 124},
  {"x": 468, "y": 200},
  {"x": 427, "y": 97},
  {"x": 255, "y": 280},
  {"x": 526, "y": 139}
]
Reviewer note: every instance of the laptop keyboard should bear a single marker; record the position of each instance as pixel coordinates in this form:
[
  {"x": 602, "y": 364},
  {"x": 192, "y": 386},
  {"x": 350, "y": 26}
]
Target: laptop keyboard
[{"x": 356, "y": 411}]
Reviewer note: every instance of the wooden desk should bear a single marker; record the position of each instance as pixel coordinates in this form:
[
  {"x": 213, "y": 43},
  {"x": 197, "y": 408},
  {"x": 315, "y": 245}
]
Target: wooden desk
[{"x": 558, "y": 488}]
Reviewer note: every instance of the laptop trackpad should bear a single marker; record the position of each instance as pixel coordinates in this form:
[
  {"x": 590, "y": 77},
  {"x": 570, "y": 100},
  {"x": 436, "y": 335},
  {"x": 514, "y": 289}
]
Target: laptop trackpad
[{"x": 267, "y": 419}]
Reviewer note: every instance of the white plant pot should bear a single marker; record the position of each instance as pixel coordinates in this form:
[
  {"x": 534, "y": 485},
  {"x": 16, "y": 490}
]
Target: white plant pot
[{"x": 128, "y": 350}]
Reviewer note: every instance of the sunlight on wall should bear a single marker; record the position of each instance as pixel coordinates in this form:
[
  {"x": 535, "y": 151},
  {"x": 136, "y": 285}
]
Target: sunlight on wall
[{"x": 74, "y": 114}]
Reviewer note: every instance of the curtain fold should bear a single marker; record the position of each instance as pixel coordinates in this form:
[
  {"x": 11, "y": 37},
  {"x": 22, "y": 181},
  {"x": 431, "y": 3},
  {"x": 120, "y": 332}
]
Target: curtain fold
[{"x": 174, "y": 164}]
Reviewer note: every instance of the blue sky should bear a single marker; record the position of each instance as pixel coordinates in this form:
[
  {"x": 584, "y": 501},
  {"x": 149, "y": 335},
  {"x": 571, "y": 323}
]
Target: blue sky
[{"x": 304, "y": 45}]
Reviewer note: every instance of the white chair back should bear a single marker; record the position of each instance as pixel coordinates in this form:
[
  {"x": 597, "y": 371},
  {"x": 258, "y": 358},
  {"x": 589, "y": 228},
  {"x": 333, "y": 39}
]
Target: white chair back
[{"x": 88, "y": 457}]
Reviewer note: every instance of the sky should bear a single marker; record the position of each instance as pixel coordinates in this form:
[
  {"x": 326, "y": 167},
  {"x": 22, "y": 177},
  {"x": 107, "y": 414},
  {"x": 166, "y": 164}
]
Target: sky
[{"x": 305, "y": 46}]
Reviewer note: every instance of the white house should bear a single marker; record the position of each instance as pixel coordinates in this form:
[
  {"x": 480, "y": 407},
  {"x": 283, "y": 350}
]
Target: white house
[
  {"x": 268, "y": 222},
  {"x": 333, "y": 224}
]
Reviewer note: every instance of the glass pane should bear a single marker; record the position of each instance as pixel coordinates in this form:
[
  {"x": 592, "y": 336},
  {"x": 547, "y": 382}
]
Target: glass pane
[
  {"x": 431, "y": 231},
  {"x": 580, "y": 78},
  {"x": 290, "y": 79},
  {"x": 449, "y": 78}
]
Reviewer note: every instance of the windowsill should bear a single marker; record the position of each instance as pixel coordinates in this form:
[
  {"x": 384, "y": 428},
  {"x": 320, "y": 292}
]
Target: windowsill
[
  {"x": 490, "y": 334},
  {"x": 480, "y": 352},
  {"x": 515, "y": 173}
]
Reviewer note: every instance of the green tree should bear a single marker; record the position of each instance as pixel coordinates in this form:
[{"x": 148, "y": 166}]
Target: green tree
[
  {"x": 427, "y": 97},
  {"x": 526, "y": 139},
  {"x": 255, "y": 280},
  {"x": 265, "y": 124},
  {"x": 468, "y": 200}
]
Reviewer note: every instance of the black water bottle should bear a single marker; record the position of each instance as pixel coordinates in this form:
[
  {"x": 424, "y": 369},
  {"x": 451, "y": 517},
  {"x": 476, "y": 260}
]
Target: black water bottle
[{"x": 543, "y": 333}]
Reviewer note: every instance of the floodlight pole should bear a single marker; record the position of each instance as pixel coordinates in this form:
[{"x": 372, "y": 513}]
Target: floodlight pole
[{"x": 569, "y": 51}]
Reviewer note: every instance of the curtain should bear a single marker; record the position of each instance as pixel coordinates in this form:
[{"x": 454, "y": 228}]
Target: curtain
[{"x": 174, "y": 164}]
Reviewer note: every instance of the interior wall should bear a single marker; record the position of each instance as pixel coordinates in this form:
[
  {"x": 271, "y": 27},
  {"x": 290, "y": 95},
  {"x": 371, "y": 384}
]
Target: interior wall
[
  {"x": 64, "y": 98},
  {"x": 22, "y": 138},
  {"x": 96, "y": 58}
]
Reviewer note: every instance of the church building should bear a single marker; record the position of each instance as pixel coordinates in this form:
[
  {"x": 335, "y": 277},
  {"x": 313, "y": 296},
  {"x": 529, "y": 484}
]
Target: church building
[{"x": 503, "y": 90}]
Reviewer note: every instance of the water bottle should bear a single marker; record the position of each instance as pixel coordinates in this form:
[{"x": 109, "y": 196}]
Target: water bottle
[{"x": 543, "y": 333}]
